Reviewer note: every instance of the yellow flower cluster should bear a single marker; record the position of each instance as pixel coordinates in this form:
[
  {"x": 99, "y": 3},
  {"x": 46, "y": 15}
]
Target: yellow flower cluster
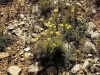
[
  {"x": 57, "y": 33},
  {"x": 68, "y": 26}
]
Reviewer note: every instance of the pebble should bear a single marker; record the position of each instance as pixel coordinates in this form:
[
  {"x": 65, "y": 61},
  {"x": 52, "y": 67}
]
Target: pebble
[
  {"x": 21, "y": 16},
  {"x": 27, "y": 55},
  {"x": 27, "y": 49}
]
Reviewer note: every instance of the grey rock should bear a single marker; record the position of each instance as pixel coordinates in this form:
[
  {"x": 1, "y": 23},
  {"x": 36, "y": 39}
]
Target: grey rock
[
  {"x": 91, "y": 26},
  {"x": 76, "y": 68},
  {"x": 89, "y": 47},
  {"x": 51, "y": 70}
]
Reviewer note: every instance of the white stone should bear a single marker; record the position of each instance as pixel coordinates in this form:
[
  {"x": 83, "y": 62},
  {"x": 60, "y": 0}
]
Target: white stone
[
  {"x": 27, "y": 49},
  {"x": 21, "y": 16},
  {"x": 14, "y": 70},
  {"x": 76, "y": 68},
  {"x": 86, "y": 63},
  {"x": 90, "y": 55}
]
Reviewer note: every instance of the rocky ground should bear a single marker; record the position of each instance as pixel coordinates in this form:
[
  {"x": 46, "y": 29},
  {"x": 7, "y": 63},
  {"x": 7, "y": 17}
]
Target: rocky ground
[{"x": 20, "y": 20}]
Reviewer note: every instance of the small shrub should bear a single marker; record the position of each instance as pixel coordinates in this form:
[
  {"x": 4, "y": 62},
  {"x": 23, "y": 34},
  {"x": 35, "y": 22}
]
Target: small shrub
[
  {"x": 51, "y": 51},
  {"x": 5, "y": 41}
]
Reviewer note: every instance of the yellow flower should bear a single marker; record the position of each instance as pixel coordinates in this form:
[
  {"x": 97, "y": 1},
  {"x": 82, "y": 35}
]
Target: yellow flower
[
  {"x": 69, "y": 26},
  {"x": 41, "y": 20},
  {"x": 54, "y": 27},
  {"x": 57, "y": 33},
  {"x": 56, "y": 10},
  {"x": 36, "y": 39},
  {"x": 48, "y": 39},
  {"x": 61, "y": 25},
  {"x": 49, "y": 23},
  {"x": 66, "y": 25},
  {"x": 50, "y": 26},
  {"x": 51, "y": 32},
  {"x": 54, "y": 45}
]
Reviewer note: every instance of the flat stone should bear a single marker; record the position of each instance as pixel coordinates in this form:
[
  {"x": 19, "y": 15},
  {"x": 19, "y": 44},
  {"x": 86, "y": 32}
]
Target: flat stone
[{"x": 14, "y": 70}]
